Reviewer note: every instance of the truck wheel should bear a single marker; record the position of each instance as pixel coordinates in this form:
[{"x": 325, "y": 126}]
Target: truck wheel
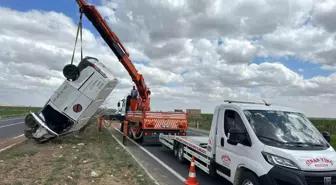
[
  {"x": 248, "y": 178},
  {"x": 180, "y": 153},
  {"x": 176, "y": 147}
]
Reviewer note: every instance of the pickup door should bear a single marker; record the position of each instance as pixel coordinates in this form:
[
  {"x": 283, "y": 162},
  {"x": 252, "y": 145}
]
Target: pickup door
[{"x": 229, "y": 156}]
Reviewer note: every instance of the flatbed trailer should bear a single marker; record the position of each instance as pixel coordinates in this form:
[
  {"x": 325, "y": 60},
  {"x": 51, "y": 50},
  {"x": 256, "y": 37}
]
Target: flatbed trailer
[
  {"x": 185, "y": 147},
  {"x": 259, "y": 144}
]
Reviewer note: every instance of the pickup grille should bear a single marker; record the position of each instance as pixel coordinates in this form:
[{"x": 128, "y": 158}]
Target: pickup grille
[{"x": 319, "y": 180}]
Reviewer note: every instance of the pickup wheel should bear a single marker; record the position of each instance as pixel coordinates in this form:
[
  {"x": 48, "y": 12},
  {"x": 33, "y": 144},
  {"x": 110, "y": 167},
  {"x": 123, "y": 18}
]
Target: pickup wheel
[
  {"x": 248, "y": 178},
  {"x": 180, "y": 152}
]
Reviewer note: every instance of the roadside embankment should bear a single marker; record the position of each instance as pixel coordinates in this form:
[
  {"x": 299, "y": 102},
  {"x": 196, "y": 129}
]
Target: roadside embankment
[{"x": 95, "y": 158}]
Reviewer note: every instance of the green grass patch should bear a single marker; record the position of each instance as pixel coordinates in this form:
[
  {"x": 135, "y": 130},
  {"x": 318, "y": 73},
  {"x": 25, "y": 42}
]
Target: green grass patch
[
  {"x": 95, "y": 158},
  {"x": 14, "y": 111}
]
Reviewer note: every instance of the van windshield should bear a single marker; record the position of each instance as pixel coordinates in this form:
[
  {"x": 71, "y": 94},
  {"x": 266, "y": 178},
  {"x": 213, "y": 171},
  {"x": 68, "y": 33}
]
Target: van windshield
[{"x": 286, "y": 129}]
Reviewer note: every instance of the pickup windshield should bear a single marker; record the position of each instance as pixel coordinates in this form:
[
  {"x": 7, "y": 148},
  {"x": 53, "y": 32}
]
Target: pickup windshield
[{"x": 285, "y": 129}]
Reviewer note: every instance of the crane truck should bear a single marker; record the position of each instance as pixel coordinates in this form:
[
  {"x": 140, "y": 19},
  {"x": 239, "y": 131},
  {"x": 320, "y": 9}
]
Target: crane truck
[
  {"x": 252, "y": 143},
  {"x": 88, "y": 85},
  {"x": 136, "y": 113}
]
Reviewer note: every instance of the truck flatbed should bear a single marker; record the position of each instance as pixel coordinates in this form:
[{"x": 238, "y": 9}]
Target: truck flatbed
[{"x": 188, "y": 146}]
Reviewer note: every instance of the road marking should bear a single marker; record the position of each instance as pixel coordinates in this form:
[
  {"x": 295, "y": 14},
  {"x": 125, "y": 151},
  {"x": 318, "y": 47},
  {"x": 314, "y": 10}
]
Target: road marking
[
  {"x": 156, "y": 182},
  {"x": 158, "y": 160},
  {"x": 18, "y": 136},
  {"x": 195, "y": 133},
  {"x": 11, "y": 125},
  {"x": 10, "y": 146},
  {"x": 9, "y": 119}
]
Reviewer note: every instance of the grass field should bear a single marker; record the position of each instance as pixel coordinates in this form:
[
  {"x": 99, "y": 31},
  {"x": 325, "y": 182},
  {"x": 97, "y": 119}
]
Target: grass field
[
  {"x": 323, "y": 124},
  {"x": 13, "y": 111},
  {"x": 95, "y": 159}
]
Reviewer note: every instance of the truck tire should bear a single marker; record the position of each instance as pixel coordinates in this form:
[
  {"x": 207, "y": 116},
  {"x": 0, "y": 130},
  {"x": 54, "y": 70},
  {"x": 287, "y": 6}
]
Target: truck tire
[
  {"x": 248, "y": 178},
  {"x": 180, "y": 153},
  {"x": 176, "y": 146}
]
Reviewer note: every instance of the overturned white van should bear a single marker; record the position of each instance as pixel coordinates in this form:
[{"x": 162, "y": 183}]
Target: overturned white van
[{"x": 73, "y": 104}]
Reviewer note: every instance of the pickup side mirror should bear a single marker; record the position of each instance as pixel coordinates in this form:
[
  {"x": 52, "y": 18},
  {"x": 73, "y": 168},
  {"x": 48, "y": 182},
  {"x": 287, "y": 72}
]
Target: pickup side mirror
[
  {"x": 118, "y": 104},
  {"x": 237, "y": 135},
  {"x": 326, "y": 136}
]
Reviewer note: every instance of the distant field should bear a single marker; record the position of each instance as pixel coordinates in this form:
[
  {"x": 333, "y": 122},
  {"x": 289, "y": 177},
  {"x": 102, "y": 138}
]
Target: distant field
[
  {"x": 13, "y": 111},
  {"x": 323, "y": 124}
]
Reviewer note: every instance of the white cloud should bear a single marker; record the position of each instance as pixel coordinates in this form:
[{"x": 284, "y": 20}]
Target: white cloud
[{"x": 174, "y": 44}]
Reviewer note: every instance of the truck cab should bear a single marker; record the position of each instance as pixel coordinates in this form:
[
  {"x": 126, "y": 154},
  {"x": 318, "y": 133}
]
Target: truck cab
[
  {"x": 259, "y": 144},
  {"x": 269, "y": 145}
]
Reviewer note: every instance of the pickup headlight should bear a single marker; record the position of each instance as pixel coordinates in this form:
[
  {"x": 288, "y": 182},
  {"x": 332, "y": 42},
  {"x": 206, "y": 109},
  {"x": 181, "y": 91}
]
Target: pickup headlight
[{"x": 280, "y": 161}]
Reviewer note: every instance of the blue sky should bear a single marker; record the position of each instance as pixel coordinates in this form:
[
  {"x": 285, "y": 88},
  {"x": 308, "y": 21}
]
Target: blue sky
[{"x": 70, "y": 8}]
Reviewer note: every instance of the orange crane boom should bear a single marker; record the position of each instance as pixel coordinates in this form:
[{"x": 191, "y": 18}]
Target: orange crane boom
[
  {"x": 119, "y": 50},
  {"x": 140, "y": 121}
]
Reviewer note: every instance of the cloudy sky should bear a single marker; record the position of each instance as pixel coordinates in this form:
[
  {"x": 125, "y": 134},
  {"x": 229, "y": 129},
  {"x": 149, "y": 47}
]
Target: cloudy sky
[{"x": 192, "y": 53}]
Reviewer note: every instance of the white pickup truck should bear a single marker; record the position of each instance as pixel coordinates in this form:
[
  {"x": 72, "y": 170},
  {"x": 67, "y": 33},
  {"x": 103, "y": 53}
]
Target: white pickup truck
[{"x": 259, "y": 144}]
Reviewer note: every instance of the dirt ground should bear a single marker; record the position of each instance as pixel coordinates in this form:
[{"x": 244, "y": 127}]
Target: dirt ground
[{"x": 96, "y": 158}]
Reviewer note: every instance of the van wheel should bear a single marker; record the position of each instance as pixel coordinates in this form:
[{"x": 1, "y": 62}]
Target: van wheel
[
  {"x": 248, "y": 178},
  {"x": 28, "y": 133},
  {"x": 180, "y": 153},
  {"x": 71, "y": 72},
  {"x": 30, "y": 122}
]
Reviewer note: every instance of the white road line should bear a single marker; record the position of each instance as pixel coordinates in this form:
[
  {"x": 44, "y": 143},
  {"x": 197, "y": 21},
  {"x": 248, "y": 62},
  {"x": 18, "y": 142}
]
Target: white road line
[
  {"x": 156, "y": 182},
  {"x": 158, "y": 160},
  {"x": 11, "y": 125},
  {"x": 18, "y": 136},
  {"x": 9, "y": 119},
  {"x": 10, "y": 146}
]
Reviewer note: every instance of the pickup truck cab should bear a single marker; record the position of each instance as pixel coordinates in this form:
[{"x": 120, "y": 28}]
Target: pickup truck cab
[{"x": 257, "y": 144}]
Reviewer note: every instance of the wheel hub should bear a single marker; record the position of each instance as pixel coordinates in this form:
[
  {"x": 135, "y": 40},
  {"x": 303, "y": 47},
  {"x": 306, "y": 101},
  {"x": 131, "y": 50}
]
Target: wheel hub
[{"x": 247, "y": 182}]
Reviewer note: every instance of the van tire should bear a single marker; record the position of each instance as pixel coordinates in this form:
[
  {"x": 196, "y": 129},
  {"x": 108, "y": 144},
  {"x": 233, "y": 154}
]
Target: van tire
[
  {"x": 30, "y": 122},
  {"x": 248, "y": 178}
]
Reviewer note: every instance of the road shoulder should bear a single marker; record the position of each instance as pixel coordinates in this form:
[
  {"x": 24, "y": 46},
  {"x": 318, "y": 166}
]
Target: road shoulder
[
  {"x": 157, "y": 170},
  {"x": 96, "y": 158}
]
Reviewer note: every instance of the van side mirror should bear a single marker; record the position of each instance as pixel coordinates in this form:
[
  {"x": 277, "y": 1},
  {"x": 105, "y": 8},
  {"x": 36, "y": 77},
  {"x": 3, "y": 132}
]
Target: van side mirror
[
  {"x": 118, "y": 104},
  {"x": 326, "y": 136},
  {"x": 237, "y": 135}
]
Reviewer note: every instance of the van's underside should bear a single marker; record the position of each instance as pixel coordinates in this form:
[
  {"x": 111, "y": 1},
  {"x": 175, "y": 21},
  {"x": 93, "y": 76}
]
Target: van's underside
[{"x": 47, "y": 124}]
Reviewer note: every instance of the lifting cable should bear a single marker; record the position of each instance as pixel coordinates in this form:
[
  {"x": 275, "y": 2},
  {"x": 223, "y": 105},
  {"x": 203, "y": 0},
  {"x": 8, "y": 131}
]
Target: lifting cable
[{"x": 79, "y": 30}]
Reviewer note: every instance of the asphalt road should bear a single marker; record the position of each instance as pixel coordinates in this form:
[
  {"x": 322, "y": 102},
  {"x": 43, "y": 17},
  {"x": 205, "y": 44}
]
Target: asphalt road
[
  {"x": 11, "y": 127},
  {"x": 166, "y": 156}
]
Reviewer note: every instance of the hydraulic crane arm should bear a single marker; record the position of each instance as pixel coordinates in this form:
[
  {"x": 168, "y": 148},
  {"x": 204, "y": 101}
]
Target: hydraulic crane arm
[{"x": 119, "y": 50}]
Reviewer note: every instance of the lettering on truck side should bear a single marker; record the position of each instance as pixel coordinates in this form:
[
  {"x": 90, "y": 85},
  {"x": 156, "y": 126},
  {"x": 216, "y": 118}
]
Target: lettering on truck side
[{"x": 191, "y": 146}]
